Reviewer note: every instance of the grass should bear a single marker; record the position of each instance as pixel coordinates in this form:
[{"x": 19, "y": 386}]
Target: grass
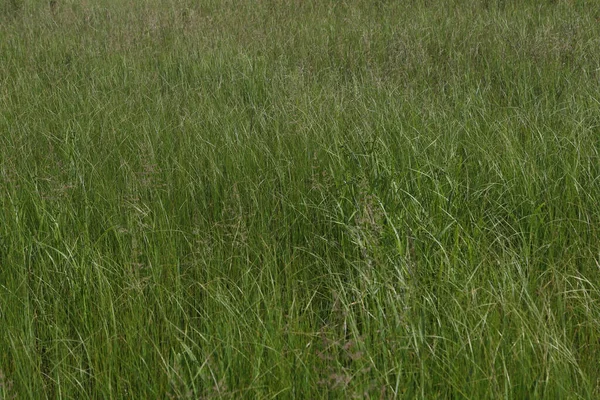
[{"x": 299, "y": 199}]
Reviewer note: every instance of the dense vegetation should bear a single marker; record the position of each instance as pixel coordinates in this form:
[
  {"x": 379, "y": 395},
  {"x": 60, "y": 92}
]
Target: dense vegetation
[{"x": 290, "y": 198}]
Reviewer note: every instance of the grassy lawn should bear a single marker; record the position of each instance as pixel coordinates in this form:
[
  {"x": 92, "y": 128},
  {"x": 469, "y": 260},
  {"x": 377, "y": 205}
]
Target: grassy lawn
[{"x": 299, "y": 199}]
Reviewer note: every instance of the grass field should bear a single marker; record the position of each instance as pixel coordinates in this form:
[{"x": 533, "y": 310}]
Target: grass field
[{"x": 299, "y": 199}]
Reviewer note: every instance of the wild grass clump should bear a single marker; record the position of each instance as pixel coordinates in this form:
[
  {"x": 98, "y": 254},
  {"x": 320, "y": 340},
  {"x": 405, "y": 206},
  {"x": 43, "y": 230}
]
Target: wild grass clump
[{"x": 299, "y": 199}]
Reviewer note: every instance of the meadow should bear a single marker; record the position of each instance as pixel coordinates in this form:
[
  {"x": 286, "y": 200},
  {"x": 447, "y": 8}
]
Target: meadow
[{"x": 299, "y": 199}]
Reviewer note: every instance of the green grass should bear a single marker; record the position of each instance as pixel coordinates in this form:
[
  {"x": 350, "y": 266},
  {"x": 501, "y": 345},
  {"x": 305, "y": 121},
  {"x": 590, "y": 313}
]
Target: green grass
[{"x": 299, "y": 199}]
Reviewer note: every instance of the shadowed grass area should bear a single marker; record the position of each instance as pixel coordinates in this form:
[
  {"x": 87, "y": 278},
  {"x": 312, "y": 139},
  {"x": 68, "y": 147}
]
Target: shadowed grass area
[{"x": 299, "y": 199}]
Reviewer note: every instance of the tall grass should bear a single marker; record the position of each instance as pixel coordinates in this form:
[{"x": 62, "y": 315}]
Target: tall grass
[{"x": 299, "y": 199}]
